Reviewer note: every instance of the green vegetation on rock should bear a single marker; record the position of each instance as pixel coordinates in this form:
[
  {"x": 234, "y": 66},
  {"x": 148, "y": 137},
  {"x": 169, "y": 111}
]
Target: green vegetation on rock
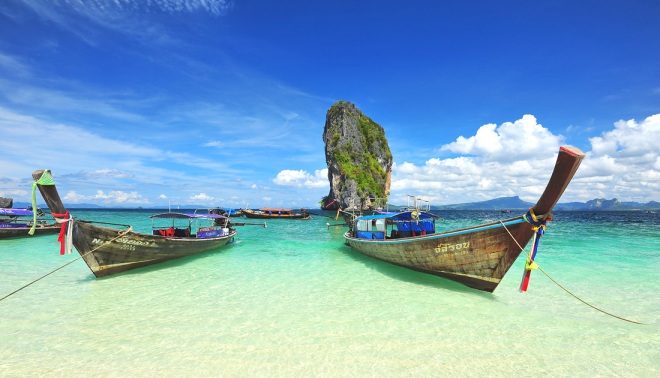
[{"x": 357, "y": 147}]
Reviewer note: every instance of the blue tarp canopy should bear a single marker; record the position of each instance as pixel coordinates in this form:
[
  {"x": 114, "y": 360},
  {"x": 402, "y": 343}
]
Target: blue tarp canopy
[
  {"x": 187, "y": 216},
  {"x": 6, "y": 211},
  {"x": 405, "y": 216}
]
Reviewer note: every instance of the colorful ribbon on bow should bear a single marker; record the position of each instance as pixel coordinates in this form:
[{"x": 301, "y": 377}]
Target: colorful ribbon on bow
[{"x": 538, "y": 225}]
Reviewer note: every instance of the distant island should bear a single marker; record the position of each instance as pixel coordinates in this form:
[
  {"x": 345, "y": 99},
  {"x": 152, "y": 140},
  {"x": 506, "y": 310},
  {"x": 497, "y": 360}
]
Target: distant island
[
  {"x": 515, "y": 203},
  {"x": 503, "y": 203}
]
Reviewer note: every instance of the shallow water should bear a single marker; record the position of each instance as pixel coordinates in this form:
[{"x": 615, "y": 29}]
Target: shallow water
[{"x": 293, "y": 300}]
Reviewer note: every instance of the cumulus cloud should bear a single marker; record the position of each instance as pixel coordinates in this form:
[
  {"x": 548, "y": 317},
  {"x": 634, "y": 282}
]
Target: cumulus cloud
[
  {"x": 523, "y": 138},
  {"x": 517, "y": 158},
  {"x": 112, "y": 197},
  {"x": 302, "y": 178},
  {"x": 202, "y": 197},
  {"x": 629, "y": 139},
  {"x": 625, "y": 162}
]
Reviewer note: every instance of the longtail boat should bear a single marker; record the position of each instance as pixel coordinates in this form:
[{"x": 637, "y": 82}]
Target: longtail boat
[
  {"x": 15, "y": 223},
  {"x": 276, "y": 213},
  {"x": 111, "y": 250},
  {"x": 228, "y": 212},
  {"x": 478, "y": 256}
]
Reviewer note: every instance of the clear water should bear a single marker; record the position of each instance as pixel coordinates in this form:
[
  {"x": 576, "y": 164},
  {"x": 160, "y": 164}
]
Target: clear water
[{"x": 292, "y": 300}]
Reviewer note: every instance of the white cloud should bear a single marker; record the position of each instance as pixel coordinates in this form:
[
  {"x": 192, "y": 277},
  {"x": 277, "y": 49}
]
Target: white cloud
[
  {"x": 214, "y": 143},
  {"x": 517, "y": 158},
  {"x": 202, "y": 198},
  {"x": 625, "y": 161},
  {"x": 629, "y": 139},
  {"x": 524, "y": 138},
  {"x": 112, "y": 197},
  {"x": 302, "y": 178},
  {"x": 9, "y": 193}
]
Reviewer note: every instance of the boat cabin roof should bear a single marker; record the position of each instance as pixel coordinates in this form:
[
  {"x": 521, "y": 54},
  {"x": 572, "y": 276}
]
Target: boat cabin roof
[
  {"x": 404, "y": 216},
  {"x": 10, "y": 211},
  {"x": 186, "y": 216},
  {"x": 275, "y": 209}
]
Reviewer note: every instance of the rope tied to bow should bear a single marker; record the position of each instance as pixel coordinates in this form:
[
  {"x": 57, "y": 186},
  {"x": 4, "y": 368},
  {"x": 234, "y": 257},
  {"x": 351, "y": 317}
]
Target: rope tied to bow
[
  {"x": 537, "y": 221},
  {"x": 538, "y": 224}
]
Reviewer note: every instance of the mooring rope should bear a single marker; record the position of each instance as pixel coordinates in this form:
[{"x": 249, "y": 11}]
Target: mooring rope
[
  {"x": 565, "y": 289},
  {"x": 121, "y": 233}
]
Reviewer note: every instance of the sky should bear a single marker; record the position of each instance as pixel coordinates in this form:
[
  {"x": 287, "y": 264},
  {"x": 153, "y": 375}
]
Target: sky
[{"x": 223, "y": 103}]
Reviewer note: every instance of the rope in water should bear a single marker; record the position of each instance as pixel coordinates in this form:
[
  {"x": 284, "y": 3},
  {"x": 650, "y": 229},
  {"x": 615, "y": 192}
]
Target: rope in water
[
  {"x": 121, "y": 233},
  {"x": 565, "y": 289}
]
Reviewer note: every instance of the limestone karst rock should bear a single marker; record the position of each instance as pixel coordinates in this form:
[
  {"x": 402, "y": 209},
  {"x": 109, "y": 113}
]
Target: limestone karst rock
[
  {"x": 6, "y": 202},
  {"x": 358, "y": 158}
]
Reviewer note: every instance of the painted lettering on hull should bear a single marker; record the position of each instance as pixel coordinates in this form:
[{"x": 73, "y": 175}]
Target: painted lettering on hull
[
  {"x": 127, "y": 242},
  {"x": 451, "y": 250}
]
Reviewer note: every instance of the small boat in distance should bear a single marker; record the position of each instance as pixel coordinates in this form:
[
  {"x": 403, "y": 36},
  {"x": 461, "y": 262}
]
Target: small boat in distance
[
  {"x": 276, "y": 213},
  {"x": 367, "y": 206},
  {"x": 16, "y": 223},
  {"x": 477, "y": 256},
  {"x": 110, "y": 250},
  {"x": 228, "y": 212}
]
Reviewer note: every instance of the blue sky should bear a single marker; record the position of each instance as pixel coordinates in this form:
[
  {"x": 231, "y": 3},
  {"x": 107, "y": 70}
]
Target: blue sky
[{"x": 223, "y": 103}]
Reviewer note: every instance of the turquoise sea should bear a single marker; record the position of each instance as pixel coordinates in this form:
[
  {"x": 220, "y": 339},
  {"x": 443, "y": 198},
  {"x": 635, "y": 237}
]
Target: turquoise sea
[{"x": 292, "y": 300}]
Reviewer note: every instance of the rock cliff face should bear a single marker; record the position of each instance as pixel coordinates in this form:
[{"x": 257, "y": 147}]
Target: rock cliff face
[{"x": 358, "y": 157}]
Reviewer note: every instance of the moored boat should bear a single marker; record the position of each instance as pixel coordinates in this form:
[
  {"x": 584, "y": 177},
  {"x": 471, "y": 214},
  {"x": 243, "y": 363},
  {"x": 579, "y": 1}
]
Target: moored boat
[
  {"x": 15, "y": 223},
  {"x": 110, "y": 250},
  {"x": 228, "y": 212},
  {"x": 478, "y": 256},
  {"x": 276, "y": 213}
]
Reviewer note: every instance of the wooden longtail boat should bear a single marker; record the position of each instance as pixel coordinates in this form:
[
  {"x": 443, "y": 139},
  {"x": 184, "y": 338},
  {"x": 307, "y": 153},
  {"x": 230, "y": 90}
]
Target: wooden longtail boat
[
  {"x": 276, "y": 213},
  {"x": 228, "y": 212},
  {"x": 15, "y": 223},
  {"x": 108, "y": 250},
  {"x": 478, "y": 256}
]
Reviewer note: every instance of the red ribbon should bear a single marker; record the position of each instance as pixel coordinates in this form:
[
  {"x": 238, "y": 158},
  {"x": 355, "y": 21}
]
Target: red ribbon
[{"x": 63, "y": 226}]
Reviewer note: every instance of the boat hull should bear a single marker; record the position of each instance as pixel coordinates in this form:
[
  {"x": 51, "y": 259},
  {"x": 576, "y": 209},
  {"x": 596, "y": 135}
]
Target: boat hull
[
  {"x": 109, "y": 251},
  {"x": 256, "y": 215},
  {"x": 19, "y": 232},
  {"x": 477, "y": 257}
]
